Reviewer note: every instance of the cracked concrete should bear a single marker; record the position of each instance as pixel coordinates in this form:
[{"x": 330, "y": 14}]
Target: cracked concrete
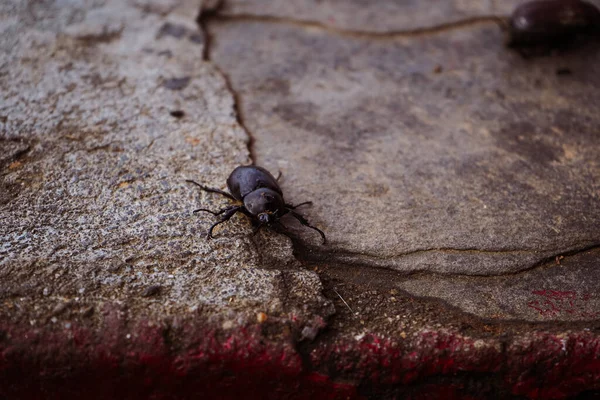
[
  {"x": 458, "y": 185},
  {"x": 380, "y": 17},
  {"x": 95, "y": 209},
  {"x": 457, "y": 168},
  {"x": 563, "y": 289}
]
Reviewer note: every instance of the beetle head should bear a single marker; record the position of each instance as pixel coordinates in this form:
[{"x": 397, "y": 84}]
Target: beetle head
[{"x": 265, "y": 204}]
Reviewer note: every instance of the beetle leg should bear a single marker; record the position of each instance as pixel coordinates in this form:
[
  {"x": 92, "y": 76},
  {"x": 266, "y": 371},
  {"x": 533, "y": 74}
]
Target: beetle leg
[
  {"x": 211, "y": 190},
  {"x": 292, "y": 207},
  {"x": 247, "y": 214},
  {"x": 278, "y": 176},
  {"x": 228, "y": 214},
  {"x": 215, "y": 212},
  {"x": 304, "y": 222}
]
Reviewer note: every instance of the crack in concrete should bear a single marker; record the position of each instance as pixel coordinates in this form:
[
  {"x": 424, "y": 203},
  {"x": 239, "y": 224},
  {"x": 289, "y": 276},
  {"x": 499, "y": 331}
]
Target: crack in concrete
[
  {"x": 203, "y": 18},
  {"x": 305, "y": 254},
  {"x": 551, "y": 258},
  {"x": 392, "y": 34},
  {"x": 384, "y": 280},
  {"x": 450, "y": 250},
  {"x": 207, "y": 15},
  {"x": 323, "y": 258},
  {"x": 351, "y": 258}
]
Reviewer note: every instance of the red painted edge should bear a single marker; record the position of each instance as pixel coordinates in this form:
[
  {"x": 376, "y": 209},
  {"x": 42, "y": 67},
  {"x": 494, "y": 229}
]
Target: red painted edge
[{"x": 77, "y": 362}]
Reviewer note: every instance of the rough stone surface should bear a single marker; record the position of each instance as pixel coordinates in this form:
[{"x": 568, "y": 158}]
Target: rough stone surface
[
  {"x": 567, "y": 291},
  {"x": 95, "y": 208},
  {"x": 458, "y": 185},
  {"x": 440, "y": 153}
]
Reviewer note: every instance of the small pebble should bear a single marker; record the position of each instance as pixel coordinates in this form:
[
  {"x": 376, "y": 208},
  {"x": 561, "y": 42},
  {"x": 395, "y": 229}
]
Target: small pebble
[
  {"x": 309, "y": 332},
  {"x": 261, "y": 317}
]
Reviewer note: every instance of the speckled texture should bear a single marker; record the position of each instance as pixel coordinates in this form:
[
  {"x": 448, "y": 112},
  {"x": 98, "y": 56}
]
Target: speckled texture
[
  {"x": 485, "y": 168},
  {"x": 95, "y": 209},
  {"x": 565, "y": 289},
  {"x": 441, "y": 154},
  {"x": 457, "y": 183}
]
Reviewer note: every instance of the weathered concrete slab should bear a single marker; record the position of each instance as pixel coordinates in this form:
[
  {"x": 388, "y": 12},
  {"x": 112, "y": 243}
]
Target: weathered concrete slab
[
  {"x": 441, "y": 153},
  {"x": 566, "y": 290},
  {"x": 487, "y": 167},
  {"x": 95, "y": 210},
  {"x": 458, "y": 185}
]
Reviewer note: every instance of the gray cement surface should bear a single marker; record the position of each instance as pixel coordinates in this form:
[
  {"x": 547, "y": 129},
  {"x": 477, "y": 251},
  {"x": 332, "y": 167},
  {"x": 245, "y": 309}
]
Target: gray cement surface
[
  {"x": 437, "y": 153},
  {"x": 95, "y": 207},
  {"x": 458, "y": 183}
]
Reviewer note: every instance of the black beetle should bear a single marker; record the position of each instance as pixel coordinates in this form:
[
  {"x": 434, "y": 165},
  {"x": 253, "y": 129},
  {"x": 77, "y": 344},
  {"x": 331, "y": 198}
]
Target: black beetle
[
  {"x": 552, "y": 22},
  {"x": 258, "y": 195}
]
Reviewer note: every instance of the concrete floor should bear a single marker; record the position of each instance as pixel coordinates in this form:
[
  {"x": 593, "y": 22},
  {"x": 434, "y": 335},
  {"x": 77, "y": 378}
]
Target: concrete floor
[{"x": 457, "y": 182}]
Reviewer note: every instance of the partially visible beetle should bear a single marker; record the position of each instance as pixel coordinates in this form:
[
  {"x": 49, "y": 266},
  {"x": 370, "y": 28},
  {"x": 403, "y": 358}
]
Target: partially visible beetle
[
  {"x": 258, "y": 195},
  {"x": 551, "y": 23}
]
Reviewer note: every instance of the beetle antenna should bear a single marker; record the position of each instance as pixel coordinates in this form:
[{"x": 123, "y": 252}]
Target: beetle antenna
[
  {"x": 293, "y": 207},
  {"x": 304, "y": 222}
]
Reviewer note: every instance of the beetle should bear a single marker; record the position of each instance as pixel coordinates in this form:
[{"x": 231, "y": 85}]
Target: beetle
[
  {"x": 257, "y": 195},
  {"x": 551, "y": 22}
]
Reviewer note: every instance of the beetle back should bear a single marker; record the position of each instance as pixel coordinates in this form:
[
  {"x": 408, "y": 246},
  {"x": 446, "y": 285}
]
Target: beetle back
[
  {"x": 246, "y": 179},
  {"x": 542, "y": 21}
]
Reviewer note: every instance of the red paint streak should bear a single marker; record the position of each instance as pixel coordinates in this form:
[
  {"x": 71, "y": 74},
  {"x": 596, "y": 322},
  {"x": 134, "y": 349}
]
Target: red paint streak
[
  {"x": 392, "y": 362},
  {"x": 143, "y": 366},
  {"x": 242, "y": 363},
  {"x": 556, "y": 294},
  {"x": 556, "y": 302},
  {"x": 551, "y": 367}
]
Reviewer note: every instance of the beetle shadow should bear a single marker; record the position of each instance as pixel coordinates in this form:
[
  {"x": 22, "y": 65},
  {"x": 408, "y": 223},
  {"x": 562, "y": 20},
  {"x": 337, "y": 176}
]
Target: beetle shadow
[{"x": 586, "y": 45}]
